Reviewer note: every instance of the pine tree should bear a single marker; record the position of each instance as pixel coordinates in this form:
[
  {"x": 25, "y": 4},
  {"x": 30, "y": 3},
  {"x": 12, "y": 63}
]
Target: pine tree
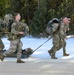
[{"x": 38, "y": 24}]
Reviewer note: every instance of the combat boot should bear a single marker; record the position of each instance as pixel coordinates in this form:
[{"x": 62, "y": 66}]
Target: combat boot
[
  {"x": 53, "y": 56},
  {"x": 65, "y": 54},
  {"x": 20, "y": 61},
  {"x": 50, "y": 52},
  {"x": 1, "y": 56}
]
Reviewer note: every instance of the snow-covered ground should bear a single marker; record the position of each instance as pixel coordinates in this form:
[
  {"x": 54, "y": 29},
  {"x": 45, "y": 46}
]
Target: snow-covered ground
[{"x": 42, "y": 53}]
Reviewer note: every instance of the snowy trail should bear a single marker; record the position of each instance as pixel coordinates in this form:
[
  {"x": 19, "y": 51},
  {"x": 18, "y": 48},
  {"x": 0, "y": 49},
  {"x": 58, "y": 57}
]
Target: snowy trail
[{"x": 42, "y": 53}]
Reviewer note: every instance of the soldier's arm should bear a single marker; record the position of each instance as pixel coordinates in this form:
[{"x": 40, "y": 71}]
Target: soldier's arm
[{"x": 67, "y": 27}]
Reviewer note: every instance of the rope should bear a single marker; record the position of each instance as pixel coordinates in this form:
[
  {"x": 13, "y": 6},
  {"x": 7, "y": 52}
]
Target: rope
[{"x": 42, "y": 44}]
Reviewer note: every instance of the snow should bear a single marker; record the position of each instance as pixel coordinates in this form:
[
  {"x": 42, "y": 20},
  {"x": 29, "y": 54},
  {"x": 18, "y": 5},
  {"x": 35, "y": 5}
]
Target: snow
[{"x": 42, "y": 52}]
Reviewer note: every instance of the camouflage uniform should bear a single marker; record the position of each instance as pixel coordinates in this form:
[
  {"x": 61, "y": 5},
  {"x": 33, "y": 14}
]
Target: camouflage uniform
[
  {"x": 1, "y": 34},
  {"x": 56, "y": 40},
  {"x": 59, "y": 39},
  {"x": 12, "y": 30},
  {"x": 1, "y": 45},
  {"x": 15, "y": 42},
  {"x": 63, "y": 29}
]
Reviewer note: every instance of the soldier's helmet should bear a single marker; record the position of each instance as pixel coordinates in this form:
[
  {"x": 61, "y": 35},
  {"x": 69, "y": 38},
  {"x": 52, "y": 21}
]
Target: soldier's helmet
[{"x": 8, "y": 17}]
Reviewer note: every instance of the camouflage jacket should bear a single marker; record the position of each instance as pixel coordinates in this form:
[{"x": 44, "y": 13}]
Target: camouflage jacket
[
  {"x": 2, "y": 28},
  {"x": 63, "y": 29},
  {"x": 15, "y": 29}
]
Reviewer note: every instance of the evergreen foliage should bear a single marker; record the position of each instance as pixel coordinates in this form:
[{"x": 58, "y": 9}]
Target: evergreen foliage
[{"x": 37, "y": 13}]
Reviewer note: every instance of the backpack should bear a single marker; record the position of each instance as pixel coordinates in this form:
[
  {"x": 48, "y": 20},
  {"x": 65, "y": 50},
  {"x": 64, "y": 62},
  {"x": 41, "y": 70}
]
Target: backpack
[
  {"x": 1, "y": 25},
  {"x": 49, "y": 25},
  {"x": 2, "y": 29},
  {"x": 8, "y": 20},
  {"x": 23, "y": 27}
]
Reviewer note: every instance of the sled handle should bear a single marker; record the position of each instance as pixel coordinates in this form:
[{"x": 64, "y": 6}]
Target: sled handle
[{"x": 42, "y": 44}]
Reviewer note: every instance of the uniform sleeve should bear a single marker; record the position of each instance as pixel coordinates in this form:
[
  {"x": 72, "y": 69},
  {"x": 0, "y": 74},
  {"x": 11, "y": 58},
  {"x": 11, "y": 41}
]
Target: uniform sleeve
[
  {"x": 67, "y": 27},
  {"x": 13, "y": 29},
  {"x": 62, "y": 30}
]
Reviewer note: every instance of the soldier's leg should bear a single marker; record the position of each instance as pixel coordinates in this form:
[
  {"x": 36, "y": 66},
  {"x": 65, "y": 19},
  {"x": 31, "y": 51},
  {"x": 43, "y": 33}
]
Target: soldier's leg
[
  {"x": 55, "y": 46},
  {"x": 54, "y": 43},
  {"x": 12, "y": 49},
  {"x": 1, "y": 45},
  {"x": 50, "y": 51},
  {"x": 1, "y": 48},
  {"x": 64, "y": 49},
  {"x": 19, "y": 52},
  {"x": 54, "y": 49}
]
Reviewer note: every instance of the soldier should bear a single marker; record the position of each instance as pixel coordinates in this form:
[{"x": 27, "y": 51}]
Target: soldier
[
  {"x": 55, "y": 38},
  {"x": 59, "y": 38},
  {"x": 64, "y": 27},
  {"x": 1, "y": 35},
  {"x": 15, "y": 42}
]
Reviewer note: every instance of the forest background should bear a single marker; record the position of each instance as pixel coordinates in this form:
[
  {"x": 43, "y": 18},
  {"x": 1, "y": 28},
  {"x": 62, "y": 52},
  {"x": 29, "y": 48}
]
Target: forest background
[{"x": 37, "y": 13}]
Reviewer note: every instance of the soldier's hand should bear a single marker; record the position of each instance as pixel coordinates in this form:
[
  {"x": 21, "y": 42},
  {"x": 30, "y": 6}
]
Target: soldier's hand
[{"x": 21, "y": 32}]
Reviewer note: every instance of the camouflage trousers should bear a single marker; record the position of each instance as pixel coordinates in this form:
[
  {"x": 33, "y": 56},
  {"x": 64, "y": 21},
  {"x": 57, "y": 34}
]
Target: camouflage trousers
[
  {"x": 1, "y": 45},
  {"x": 58, "y": 43},
  {"x": 15, "y": 45}
]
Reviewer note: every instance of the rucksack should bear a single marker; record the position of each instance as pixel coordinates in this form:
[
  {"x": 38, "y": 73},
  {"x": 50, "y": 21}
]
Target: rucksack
[
  {"x": 8, "y": 20},
  {"x": 2, "y": 25},
  {"x": 49, "y": 25},
  {"x": 23, "y": 27},
  {"x": 2, "y": 29}
]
